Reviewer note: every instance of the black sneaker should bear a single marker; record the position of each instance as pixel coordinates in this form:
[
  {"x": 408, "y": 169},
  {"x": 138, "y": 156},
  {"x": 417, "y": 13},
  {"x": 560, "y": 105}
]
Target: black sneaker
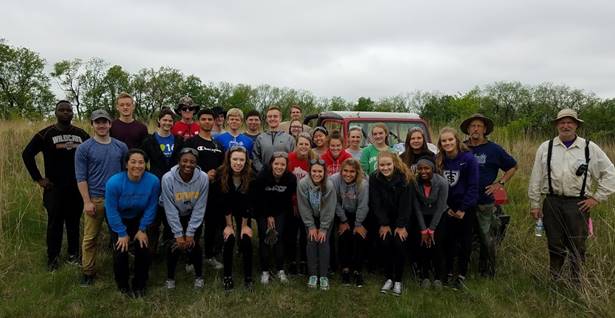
[
  {"x": 53, "y": 264},
  {"x": 346, "y": 278},
  {"x": 126, "y": 292},
  {"x": 87, "y": 280},
  {"x": 358, "y": 280},
  {"x": 249, "y": 284},
  {"x": 459, "y": 284},
  {"x": 73, "y": 260},
  {"x": 228, "y": 284}
]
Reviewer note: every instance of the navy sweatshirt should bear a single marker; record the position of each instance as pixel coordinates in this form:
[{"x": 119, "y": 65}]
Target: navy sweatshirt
[{"x": 461, "y": 173}]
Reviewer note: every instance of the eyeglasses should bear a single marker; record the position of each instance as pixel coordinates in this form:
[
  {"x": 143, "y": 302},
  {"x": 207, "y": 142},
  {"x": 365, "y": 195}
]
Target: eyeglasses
[
  {"x": 190, "y": 151},
  {"x": 280, "y": 154},
  {"x": 317, "y": 161},
  {"x": 188, "y": 109}
]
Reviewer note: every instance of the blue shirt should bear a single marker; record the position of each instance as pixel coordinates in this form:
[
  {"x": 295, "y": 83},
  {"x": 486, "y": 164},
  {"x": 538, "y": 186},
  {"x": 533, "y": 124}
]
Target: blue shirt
[
  {"x": 228, "y": 141},
  {"x": 491, "y": 158},
  {"x": 167, "y": 144},
  {"x": 95, "y": 163},
  {"x": 126, "y": 199}
]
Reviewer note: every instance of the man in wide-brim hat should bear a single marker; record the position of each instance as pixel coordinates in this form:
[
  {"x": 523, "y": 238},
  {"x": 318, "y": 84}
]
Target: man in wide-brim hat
[{"x": 564, "y": 169}]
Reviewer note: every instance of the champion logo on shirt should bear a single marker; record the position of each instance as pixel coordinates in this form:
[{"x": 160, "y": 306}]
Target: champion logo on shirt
[{"x": 203, "y": 148}]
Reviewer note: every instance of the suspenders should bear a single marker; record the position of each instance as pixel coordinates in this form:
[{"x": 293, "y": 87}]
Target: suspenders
[{"x": 550, "y": 154}]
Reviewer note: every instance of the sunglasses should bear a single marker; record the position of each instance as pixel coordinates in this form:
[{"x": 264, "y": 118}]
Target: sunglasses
[
  {"x": 188, "y": 109},
  {"x": 280, "y": 154},
  {"x": 317, "y": 161},
  {"x": 190, "y": 151}
]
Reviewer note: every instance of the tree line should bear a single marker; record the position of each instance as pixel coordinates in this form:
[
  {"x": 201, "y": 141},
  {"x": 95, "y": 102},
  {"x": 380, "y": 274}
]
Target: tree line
[{"x": 25, "y": 92}]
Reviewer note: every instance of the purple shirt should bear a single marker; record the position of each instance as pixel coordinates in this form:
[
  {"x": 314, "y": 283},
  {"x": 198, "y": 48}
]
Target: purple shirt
[{"x": 131, "y": 134}]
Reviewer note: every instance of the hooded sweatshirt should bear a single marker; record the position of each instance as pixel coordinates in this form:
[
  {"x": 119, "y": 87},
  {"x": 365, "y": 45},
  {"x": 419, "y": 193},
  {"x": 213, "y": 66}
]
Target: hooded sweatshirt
[
  {"x": 351, "y": 199},
  {"x": 334, "y": 164},
  {"x": 461, "y": 173},
  {"x": 267, "y": 143},
  {"x": 434, "y": 205},
  {"x": 312, "y": 203},
  {"x": 391, "y": 200},
  {"x": 274, "y": 197},
  {"x": 181, "y": 198},
  {"x": 234, "y": 202}
]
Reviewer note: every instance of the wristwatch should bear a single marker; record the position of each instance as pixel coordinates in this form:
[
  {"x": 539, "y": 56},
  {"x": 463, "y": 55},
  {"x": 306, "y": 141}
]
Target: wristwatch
[{"x": 501, "y": 182}]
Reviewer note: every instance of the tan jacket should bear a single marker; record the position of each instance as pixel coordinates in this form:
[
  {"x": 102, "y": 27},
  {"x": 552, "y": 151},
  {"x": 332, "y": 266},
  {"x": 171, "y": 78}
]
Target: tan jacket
[{"x": 564, "y": 163}]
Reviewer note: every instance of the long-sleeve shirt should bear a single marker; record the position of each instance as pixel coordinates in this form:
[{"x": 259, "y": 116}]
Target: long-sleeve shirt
[
  {"x": 181, "y": 198},
  {"x": 313, "y": 203},
  {"x": 127, "y": 199},
  {"x": 434, "y": 204},
  {"x": 351, "y": 198},
  {"x": 267, "y": 143},
  {"x": 564, "y": 163},
  {"x": 274, "y": 196},
  {"x": 391, "y": 201},
  {"x": 369, "y": 159},
  {"x": 461, "y": 173},
  {"x": 58, "y": 147},
  {"x": 334, "y": 164},
  {"x": 95, "y": 163}
]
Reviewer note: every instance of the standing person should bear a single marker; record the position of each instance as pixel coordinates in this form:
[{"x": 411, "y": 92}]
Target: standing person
[
  {"x": 253, "y": 125},
  {"x": 335, "y": 154},
  {"x": 126, "y": 129},
  {"x": 352, "y": 206},
  {"x": 563, "y": 171},
  {"x": 429, "y": 206},
  {"x": 491, "y": 159},
  {"x": 61, "y": 197},
  {"x": 296, "y": 113},
  {"x": 234, "y": 199},
  {"x": 295, "y": 128},
  {"x": 355, "y": 138},
  {"x": 186, "y": 128},
  {"x": 96, "y": 160},
  {"x": 131, "y": 199},
  {"x": 460, "y": 168},
  {"x": 299, "y": 165},
  {"x": 271, "y": 141},
  {"x": 211, "y": 157},
  {"x": 369, "y": 158},
  {"x": 219, "y": 118},
  {"x": 391, "y": 199},
  {"x": 184, "y": 197},
  {"x": 316, "y": 200},
  {"x": 161, "y": 148},
  {"x": 233, "y": 137},
  {"x": 274, "y": 189},
  {"x": 415, "y": 148},
  {"x": 319, "y": 139}
]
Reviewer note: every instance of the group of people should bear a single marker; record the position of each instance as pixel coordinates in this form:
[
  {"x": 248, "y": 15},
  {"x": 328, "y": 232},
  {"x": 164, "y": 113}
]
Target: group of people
[{"x": 319, "y": 207}]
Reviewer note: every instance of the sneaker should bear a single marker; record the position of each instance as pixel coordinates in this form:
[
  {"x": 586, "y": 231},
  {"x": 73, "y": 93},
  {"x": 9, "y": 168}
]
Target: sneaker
[
  {"x": 437, "y": 284},
  {"x": 228, "y": 284},
  {"x": 126, "y": 292},
  {"x": 73, "y": 260},
  {"x": 265, "y": 278},
  {"x": 170, "y": 284},
  {"x": 358, "y": 279},
  {"x": 324, "y": 283},
  {"x": 199, "y": 283},
  {"x": 53, "y": 265},
  {"x": 248, "y": 283},
  {"x": 346, "y": 278},
  {"x": 282, "y": 277},
  {"x": 313, "y": 281},
  {"x": 397, "y": 289},
  {"x": 459, "y": 283},
  {"x": 213, "y": 262},
  {"x": 189, "y": 268},
  {"x": 87, "y": 280},
  {"x": 387, "y": 286},
  {"x": 426, "y": 283}
]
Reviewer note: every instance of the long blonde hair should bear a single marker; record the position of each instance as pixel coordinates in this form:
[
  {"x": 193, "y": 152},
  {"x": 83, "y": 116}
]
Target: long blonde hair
[
  {"x": 461, "y": 147},
  {"x": 398, "y": 165}
]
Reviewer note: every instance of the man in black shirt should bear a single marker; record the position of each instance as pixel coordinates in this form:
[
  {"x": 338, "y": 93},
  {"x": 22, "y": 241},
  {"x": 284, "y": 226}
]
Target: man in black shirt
[
  {"x": 211, "y": 156},
  {"x": 61, "y": 197}
]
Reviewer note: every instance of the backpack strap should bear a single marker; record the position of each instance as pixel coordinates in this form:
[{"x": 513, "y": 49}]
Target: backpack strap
[
  {"x": 586, "y": 170},
  {"x": 549, "y": 155}
]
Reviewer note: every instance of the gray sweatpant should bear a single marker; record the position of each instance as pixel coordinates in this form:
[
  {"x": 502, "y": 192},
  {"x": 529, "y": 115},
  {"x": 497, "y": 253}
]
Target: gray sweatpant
[{"x": 318, "y": 256}]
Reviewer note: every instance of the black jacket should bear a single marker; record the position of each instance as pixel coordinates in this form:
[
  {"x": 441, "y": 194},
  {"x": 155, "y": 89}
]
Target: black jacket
[
  {"x": 234, "y": 202},
  {"x": 274, "y": 197},
  {"x": 157, "y": 163},
  {"x": 391, "y": 201}
]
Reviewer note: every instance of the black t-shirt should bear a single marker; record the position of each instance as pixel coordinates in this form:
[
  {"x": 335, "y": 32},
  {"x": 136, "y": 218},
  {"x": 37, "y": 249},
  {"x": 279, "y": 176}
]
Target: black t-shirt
[
  {"x": 58, "y": 147},
  {"x": 211, "y": 152}
]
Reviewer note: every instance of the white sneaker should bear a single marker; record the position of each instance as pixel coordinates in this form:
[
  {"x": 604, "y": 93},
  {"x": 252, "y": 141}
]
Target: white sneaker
[
  {"x": 387, "y": 286},
  {"x": 170, "y": 284},
  {"x": 213, "y": 262},
  {"x": 199, "y": 283},
  {"x": 265, "y": 278},
  {"x": 397, "y": 289},
  {"x": 282, "y": 277}
]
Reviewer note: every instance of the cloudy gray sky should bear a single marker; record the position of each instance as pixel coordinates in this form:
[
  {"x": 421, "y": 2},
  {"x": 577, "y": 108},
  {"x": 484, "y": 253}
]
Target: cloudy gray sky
[{"x": 334, "y": 48}]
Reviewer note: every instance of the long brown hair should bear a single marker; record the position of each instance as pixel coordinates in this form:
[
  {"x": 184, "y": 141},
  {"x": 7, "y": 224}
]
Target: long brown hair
[
  {"x": 408, "y": 155},
  {"x": 225, "y": 172},
  {"x": 386, "y": 132},
  {"x": 323, "y": 182},
  {"x": 461, "y": 147},
  {"x": 356, "y": 165},
  {"x": 398, "y": 165}
]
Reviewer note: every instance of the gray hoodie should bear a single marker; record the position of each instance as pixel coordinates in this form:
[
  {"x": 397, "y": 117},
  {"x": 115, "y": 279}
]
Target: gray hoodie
[
  {"x": 312, "y": 203},
  {"x": 434, "y": 205},
  {"x": 181, "y": 198},
  {"x": 351, "y": 199},
  {"x": 267, "y": 143}
]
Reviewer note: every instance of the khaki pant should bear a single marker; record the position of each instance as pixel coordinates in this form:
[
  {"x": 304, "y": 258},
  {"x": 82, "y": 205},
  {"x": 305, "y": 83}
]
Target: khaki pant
[{"x": 91, "y": 231}]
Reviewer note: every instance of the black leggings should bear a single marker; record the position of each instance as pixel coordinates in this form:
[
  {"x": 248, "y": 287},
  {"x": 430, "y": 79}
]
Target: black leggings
[
  {"x": 294, "y": 232},
  {"x": 394, "y": 255},
  {"x": 431, "y": 260},
  {"x": 351, "y": 247},
  {"x": 195, "y": 254},
  {"x": 458, "y": 241},
  {"x": 245, "y": 247},
  {"x": 264, "y": 250},
  {"x": 120, "y": 259}
]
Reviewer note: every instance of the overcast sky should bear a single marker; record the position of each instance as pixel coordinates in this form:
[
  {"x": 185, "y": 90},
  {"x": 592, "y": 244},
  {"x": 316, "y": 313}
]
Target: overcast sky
[{"x": 334, "y": 48}]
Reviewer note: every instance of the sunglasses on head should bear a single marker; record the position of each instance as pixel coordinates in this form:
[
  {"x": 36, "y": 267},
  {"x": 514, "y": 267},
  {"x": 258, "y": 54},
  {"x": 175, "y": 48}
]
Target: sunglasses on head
[
  {"x": 280, "y": 154},
  {"x": 190, "y": 151},
  {"x": 317, "y": 161},
  {"x": 238, "y": 147}
]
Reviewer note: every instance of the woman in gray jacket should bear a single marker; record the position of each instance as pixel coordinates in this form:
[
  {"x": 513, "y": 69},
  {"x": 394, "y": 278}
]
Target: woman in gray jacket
[{"x": 316, "y": 201}]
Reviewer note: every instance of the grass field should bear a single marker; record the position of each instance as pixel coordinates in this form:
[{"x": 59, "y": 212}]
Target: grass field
[{"x": 521, "y": 288}]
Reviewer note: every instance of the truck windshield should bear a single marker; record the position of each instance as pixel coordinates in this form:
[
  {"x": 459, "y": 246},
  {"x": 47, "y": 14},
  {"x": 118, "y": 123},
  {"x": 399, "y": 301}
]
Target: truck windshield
[{"x": 397, "y": 130}]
